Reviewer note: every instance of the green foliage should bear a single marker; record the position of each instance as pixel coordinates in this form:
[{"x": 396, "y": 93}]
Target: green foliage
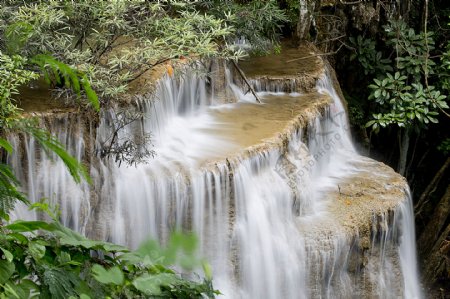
[
  {"x": 444, "y": 147},
  {"x": 16, "y": 35},
  {"x": 401, "y": 87},
  {"x": 412, "y": 50},
  {"x": 292, "y": 11},
  {"x": 47, "y": 260},
  {"x": 6, "y": 145},
  {"x": 356, "y": 112},
  {"x": 258, "y": 22},
  {"x": 370, "y": 59},
  {"x": 15, "y": 72},
  {"x": 406, "y": 104},
  {"x": 111, "y": 42},
  {"x": 63, "y": 74},
  {"x": 12, "y": 75},
  {"x": 9, "y": 192},
  {"x": 444, "y": 70},
  {"x": 52, "y": 146},
  {"x": 43, "y": 259}
]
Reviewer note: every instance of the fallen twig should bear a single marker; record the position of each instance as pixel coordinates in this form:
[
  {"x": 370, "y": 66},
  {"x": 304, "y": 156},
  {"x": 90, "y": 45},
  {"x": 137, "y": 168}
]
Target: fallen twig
[
  {"x": 246, "y": 81},
  {"x": 319, "y": 54}
]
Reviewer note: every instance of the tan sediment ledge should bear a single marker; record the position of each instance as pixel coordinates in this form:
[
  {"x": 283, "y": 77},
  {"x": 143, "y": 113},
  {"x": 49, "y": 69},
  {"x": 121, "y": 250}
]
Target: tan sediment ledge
[
  {"x": 374, "y": 191},
  {"x": 257, "y": 128},
  {"x": 290, "y": 62},
  {"x": 301, "y": 64}
]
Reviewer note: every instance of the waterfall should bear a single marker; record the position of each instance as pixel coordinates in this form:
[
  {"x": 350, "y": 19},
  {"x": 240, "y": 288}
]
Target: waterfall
[
  {"x": 263, "y": 207},
  {"x": 46, "y": 177}
]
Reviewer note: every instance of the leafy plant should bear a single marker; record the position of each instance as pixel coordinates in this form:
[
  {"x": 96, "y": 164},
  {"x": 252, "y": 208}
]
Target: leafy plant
[
  {"x": 16, "y": 70},
  {"x": 370, "y": 59},
  {"x": 62, "y": 74},
  {"x": 444, "y": 147},
  {"x": 401, "y": 88},
  {"x": 12, "y": 75},
  {"x": 259, "y": 23},
  {"x": 404, "y": 99},
  {"x": 405, "y": 104},
  {"x": 43, "y": 259},
  {"x": 110, "y": 43}
]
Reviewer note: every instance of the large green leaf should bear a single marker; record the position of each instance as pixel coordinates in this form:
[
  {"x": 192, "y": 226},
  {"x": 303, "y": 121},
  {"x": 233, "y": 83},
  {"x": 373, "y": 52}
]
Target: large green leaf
[
  {"x": 9, "y": 192},
  {"x": 71, "y": 77},
  {"x": 6, "y": 145},
  {"x": 25, "y": 288},
  {"x": 108, "y": 276},
  {"x": 36, "y": 250},
  {"x": 11, "y": 290},
  {"x": 28, "y": 287},
  {"x": 8, "y": 255},
  {"x": 28, "y": 226},
  {"x": 151, "y": 284},
  {"x": 72, "y": 238},
  {"x": 6, "y": 270},
  {"x": 60, "y": 283}
]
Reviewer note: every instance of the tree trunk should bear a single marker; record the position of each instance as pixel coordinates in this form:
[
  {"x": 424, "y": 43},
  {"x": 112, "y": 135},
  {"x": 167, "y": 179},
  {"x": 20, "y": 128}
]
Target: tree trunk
[
  {"x": 434, "y": 244},
  {"x": 434, "y": 228},
  {"x": 404, "y": 147},
  {"x": 306, "y": 10},
  {"x": 432, "y": 186}
]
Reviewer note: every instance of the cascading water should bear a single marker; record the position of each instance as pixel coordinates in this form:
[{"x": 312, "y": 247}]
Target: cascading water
[
  {"x": 46, "y": 176},
  {"x": 262, "y": 206}
]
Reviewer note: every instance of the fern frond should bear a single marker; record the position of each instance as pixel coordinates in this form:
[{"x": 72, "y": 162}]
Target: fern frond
[
  {"x": 52, "y": 145},
  {"x": 64, "y": 74},
  {"x": 9, "y": 194},
  {"x": 6, "y": 145},
  {"x": 90, "y": 93}
]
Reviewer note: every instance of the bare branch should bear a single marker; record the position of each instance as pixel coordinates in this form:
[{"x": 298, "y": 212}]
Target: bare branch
[
  {"x": 316, "y": 55},
  {"x": 246, "y": 81}
]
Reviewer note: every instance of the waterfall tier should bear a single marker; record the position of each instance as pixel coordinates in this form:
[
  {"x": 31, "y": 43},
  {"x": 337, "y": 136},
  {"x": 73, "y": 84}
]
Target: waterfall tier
[{"x": 283, "y": 205}]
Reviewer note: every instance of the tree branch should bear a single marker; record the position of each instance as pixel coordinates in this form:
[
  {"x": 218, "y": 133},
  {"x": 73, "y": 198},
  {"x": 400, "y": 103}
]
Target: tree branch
[
  {"x": 246, "y": 81},
  {"x": 320, "y": 54},
  {"x": 424, "y": 197},
  {"x": 150, "y": 66}
]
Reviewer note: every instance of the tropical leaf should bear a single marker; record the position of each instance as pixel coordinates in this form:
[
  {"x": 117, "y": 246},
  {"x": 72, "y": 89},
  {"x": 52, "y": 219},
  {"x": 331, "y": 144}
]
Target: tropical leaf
[
  {"x": 64, "y": 74},
  {"x": 52, "y": 145},
  {"x": 6, "y": 270},
  {"x": 6, "y": 145},
  {"x": 151, "y": 284},
  {"x": 108, "y": 276},
  {"x": 60, "y": 283},
  {"x": 21, "y": 226},
  {"x": 9, "y": 194},
  {"x": 72, "y": 238},
  {"x": 8, "y": 255}
]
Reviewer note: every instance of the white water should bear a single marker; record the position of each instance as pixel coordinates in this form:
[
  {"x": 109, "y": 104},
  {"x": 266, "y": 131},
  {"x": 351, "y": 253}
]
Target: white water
[
  {"x": 262, "y": 219},
  {"x": 44, "y": 176}
]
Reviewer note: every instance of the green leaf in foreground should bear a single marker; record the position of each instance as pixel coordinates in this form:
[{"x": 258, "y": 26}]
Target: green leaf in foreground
[
  {"x": 6, "y": 145},
  {"x": 151, "y": 284},
  {"x": 106, "y": 276},
  {"x": 6, "y": 270}
]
